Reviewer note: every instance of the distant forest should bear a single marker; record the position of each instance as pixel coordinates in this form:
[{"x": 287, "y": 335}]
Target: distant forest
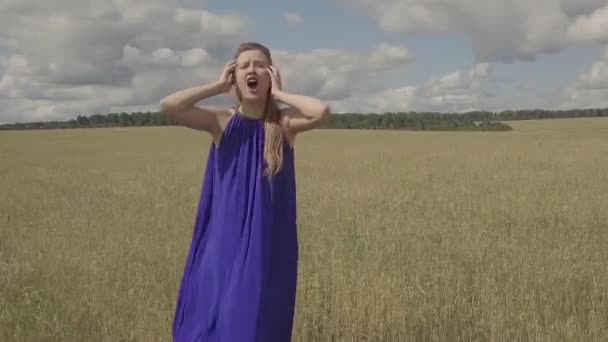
[{"x": 429, "y": 121}]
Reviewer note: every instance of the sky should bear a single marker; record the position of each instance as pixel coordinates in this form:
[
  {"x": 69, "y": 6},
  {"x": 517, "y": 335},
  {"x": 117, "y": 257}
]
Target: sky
[{"x": 63, "y": 58}]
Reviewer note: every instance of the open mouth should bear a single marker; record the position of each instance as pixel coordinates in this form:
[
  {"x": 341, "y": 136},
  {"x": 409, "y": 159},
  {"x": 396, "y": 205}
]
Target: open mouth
[{"x": 252, "y": 83}]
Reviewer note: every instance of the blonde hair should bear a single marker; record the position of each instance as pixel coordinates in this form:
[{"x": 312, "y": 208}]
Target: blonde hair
[{"x": 273, "y": 140}]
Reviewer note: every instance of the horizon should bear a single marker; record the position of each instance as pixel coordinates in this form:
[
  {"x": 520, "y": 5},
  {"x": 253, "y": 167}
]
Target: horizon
[{"x": 497, "y": 113}]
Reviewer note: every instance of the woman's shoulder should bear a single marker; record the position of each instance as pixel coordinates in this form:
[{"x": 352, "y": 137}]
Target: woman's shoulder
[{"x": 224, "y": 115}]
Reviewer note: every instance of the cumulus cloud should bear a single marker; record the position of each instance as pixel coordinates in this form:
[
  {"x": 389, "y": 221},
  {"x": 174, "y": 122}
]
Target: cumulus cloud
[
  {"x": 591, "y": 28},
  {"x": 332, "y": 74},
  {"x": 292, "y": 19},
  {"x": 128, "y": 54},
  {"x": 499, "y": 30},
  {"x": 101, "y": 56},
  {"x": 135, "y": 59},
  {"x": 590, "y": 89},
  {"x": 68, "y": 57},
  {"x": 457, "y": 91}
]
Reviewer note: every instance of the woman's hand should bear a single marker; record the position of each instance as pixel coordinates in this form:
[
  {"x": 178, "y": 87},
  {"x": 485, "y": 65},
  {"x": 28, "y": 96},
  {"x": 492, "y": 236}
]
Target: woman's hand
[
  {"x": 182, "y": 106},
  {"x": 275, "y": 79},
  {"x": 226, "y": 79}
]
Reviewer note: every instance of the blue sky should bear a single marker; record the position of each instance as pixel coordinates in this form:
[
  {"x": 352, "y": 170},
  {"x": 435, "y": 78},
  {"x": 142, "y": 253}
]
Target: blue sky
[
  {"x": 329, "y": 26},
  {"x": 360, "y": 55},
  {"x": 324, "y": 24}
]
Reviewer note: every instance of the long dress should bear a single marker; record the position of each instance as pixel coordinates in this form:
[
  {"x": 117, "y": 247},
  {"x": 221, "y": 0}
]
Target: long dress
[{"x": 239, "y": 280}]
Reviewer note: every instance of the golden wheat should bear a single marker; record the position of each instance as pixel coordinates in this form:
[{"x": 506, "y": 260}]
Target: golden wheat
[{"x": 403, "y": 235}]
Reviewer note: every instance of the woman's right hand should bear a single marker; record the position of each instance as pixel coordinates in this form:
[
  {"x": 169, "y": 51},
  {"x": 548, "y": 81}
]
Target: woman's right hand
[{"x": 226, "y": 79}]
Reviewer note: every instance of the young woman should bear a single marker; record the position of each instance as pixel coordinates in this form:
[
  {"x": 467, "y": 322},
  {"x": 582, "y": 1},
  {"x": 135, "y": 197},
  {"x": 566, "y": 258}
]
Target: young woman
[{"x": 239, "y": 281}]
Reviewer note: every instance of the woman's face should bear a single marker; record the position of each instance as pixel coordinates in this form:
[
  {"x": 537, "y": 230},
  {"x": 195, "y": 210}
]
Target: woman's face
[{"x": 252, "y": 78}]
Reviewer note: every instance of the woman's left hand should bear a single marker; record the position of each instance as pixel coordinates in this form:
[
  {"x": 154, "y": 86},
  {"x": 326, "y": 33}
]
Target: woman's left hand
[{"x": 275, "y": 79}]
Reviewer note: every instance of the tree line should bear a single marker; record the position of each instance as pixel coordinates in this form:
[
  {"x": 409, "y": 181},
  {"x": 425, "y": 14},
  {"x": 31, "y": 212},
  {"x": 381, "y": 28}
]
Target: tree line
[{"x": 431, "y": 121}]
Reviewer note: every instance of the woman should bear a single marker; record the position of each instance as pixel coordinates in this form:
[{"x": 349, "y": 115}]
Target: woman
[{"x": 239, "y": 281}]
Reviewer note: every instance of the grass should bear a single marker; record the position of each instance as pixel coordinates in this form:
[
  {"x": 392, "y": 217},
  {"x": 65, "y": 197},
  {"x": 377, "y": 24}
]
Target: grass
[{"x": 403, "y": 235}]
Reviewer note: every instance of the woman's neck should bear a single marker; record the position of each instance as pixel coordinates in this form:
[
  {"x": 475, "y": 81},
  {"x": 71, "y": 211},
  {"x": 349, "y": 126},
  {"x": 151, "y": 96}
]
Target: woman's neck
[{"x": 253, "y": 110}]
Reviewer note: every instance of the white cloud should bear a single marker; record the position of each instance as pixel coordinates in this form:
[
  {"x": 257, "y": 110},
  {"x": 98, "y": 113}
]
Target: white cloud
[
  {"x": 590, "y": 89},
  {"x": 195, "y": 57},
  {"x": 292, "y": 19},
  {"x": 596, "y": 78},
  {"x": 99, "y": 56},
  {"x": 129, "y": 54},
  {"x": 499, "y": 30},
  {"x": 592, "y": 28},
  {"x": 332, "y": 74},
  {"x": 457, "y": 91}
]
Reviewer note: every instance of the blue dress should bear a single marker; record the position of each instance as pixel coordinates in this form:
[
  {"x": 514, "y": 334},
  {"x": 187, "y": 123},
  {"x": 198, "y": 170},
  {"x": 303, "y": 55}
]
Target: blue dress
[{"x": 239, "y": 281}]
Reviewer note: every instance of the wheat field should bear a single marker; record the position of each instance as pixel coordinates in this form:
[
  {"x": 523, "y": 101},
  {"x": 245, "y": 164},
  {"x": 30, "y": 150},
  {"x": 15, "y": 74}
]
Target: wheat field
[{"x": 404, "y": 236}]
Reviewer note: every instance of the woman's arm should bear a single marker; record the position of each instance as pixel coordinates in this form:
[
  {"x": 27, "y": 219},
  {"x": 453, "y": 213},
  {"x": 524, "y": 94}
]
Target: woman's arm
[
  {"x": 181, "y": 105},
  {"x": 304, "y": 112}
]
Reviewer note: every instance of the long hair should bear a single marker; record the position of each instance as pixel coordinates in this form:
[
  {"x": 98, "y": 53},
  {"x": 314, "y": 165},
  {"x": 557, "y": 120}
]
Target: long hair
[{"x": 273, "y": 140}]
